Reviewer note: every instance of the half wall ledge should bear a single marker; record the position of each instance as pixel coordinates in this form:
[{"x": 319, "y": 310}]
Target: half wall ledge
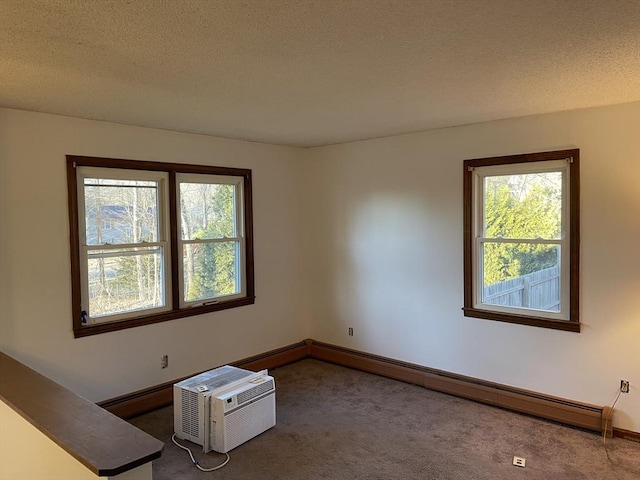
[{"x": 105, "y": 444}]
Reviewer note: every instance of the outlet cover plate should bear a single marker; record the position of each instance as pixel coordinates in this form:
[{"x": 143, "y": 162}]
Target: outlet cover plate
[
  {"x": 519, "y": 461},
  {"x": 624, "y": 386}
]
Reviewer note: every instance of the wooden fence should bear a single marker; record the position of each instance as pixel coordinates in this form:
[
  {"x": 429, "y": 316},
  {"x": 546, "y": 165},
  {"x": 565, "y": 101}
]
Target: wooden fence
[{"x": 538, "y": 290}]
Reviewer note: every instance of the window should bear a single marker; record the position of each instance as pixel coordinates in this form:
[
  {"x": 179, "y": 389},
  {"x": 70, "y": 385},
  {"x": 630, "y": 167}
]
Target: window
[
  {"x": 153, "y": 241},
  {"x": 210, "y": 239},
  {"x": 521, "y": 239}
]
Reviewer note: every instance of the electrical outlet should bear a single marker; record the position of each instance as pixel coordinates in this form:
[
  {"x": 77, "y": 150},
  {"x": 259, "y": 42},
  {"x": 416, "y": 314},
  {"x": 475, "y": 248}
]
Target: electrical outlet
[
  {"x": 519, "y": 461},
  {"x": 164, "y": 361},
  {"x": 624, "y": 386},
  {"x": 350, "y": 332}
]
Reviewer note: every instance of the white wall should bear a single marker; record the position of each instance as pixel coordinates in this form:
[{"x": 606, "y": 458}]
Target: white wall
[
  {"x": 365, "y": 235},
  {"x": 35, "y": 285},
  {"x": 385, "y": 232}
]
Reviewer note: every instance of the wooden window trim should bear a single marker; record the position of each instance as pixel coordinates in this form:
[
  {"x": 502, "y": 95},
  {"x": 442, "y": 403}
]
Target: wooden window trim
[
  {"x": 176, "y": 312},
  {"x": 573, "y": 323}
]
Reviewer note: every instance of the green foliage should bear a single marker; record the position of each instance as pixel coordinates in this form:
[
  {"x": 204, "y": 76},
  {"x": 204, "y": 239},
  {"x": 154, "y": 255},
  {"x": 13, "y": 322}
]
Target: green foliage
[
  {"x": 214, "y": 271},
  {"x": 136, "y": 275},
  {"x": 214, "y": 263},
  {"x": 520, "y": 207}
]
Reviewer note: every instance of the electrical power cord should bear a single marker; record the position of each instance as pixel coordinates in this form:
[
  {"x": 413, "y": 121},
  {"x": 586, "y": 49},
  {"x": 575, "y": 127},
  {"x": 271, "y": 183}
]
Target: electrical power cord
[
  {"x": 604, "y": 438},
  {"x": 606, "y": 425},
  {"x": 195, "y": 462}
]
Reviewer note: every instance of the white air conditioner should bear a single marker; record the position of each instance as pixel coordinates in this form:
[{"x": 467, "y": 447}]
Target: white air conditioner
[{"x": 223, "y": 408}]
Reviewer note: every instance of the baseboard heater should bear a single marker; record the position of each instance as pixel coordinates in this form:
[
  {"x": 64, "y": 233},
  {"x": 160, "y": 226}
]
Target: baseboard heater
[
  {"x": 223, "y": 408},
  {"x": 583, "y": 415},
  {"x": 578, "y": 414}
]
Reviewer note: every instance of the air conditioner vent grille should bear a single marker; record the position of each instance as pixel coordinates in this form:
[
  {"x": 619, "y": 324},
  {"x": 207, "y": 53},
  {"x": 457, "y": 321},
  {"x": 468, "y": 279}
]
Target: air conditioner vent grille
[
  {"x": 245, "y": 423},
  {"x": 190, "y": 413},
  {"x": 255, "y": 392}
]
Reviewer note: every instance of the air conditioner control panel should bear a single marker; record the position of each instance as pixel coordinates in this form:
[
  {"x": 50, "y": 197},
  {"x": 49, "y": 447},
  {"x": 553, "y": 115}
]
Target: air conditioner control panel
[{"x": 230, "y": 402}]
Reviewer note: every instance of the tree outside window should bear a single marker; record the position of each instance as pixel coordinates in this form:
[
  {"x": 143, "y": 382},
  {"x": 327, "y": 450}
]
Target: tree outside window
[
  {"x": 154, "y": 241},
  {"x": 521, "y": 239}
]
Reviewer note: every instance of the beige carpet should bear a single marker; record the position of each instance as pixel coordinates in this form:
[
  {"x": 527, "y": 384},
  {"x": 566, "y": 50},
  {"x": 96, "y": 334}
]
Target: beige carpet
[{"x": 338, "y": 423}]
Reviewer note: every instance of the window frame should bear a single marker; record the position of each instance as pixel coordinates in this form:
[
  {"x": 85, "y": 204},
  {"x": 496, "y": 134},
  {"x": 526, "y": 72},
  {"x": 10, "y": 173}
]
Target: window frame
[
  {"x": 161, "y": 178},
  {"x": 239, "y": 234},
  {"x": 472, "y": 268},
  {"x": 174, "y": 310}
]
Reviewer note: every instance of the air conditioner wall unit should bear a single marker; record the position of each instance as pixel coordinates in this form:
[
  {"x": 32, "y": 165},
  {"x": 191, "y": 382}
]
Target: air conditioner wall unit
[{"x": 223, "y": 408}]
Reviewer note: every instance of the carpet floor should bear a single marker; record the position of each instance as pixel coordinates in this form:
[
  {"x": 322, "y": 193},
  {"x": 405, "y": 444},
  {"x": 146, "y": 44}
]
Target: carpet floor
[{"x": 339, "y": 423}]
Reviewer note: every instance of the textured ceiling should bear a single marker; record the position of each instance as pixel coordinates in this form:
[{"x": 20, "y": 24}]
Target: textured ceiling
[{"x": 306, "y": 73}]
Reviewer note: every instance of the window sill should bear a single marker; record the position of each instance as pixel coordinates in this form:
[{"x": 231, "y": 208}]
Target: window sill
[
  {"x": 97, "y": 328},
  {"x": 568, "y": 326}
]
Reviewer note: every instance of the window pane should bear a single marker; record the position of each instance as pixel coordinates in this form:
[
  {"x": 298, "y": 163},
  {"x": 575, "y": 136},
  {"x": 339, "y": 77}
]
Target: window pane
[
  {"x": 522, "y": 275},
  {"x": 207, "y": 211},
  {"x": 523, "y": 206},
  {"x": 210, "y": 270},
  {"x": 125, "y": 280},
  {"x": 120, "y": 211}
]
